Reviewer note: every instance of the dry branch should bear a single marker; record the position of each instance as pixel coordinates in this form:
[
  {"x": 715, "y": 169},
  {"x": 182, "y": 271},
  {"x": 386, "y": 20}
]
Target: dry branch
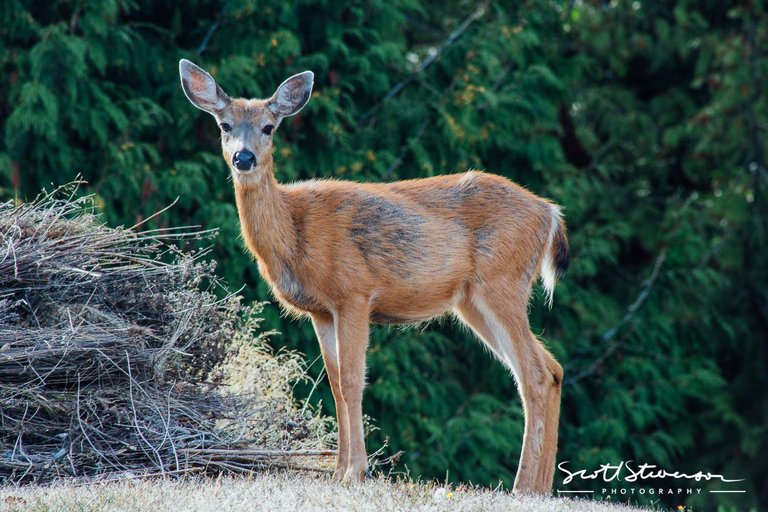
[
  {"x": 608, "y": 338},
  {"x": 114, "y": 354},
  {"x": 431, "y": 59}
]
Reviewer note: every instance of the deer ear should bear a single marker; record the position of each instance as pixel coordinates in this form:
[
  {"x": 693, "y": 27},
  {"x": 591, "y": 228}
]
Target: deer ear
[
  {"x": 292, "y": 94},
  {"x": 201, "y": 89}
]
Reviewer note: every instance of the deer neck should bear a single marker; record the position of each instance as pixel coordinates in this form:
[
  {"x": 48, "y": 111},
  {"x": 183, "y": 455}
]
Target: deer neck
[{"x": 265, "y": 218}]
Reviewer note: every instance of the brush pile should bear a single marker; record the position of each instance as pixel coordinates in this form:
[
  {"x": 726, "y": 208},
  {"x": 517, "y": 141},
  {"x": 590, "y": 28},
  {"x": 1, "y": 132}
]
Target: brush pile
[{"x": 116, "y": 357}]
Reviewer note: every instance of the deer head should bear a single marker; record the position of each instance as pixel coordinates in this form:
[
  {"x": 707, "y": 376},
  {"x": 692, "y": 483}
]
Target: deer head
[{"x": 247, "y": 125}]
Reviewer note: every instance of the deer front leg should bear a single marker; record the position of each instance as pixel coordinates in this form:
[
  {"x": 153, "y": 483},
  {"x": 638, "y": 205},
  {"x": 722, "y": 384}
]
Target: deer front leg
[
  {"x": 352, "y": 335},
  {"x": 326, "y": 335}
]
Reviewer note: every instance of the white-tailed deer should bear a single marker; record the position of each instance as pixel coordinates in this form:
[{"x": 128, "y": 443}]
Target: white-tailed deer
[{"x": 350, "y": 254}]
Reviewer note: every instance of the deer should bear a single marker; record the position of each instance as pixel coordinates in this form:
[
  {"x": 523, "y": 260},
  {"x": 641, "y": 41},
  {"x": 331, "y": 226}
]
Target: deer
[{"x": 347, "y": 255}]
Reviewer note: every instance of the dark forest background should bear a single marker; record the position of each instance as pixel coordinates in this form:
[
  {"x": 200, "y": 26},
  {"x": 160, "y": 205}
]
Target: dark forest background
[{"x": 647, "y": 120}]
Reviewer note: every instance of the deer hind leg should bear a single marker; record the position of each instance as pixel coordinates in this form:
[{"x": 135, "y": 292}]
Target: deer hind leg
[
  {"x": 499, "y": 317},
  {"x": 326, "y": 335},
  {"x": 352, "y": 329}
]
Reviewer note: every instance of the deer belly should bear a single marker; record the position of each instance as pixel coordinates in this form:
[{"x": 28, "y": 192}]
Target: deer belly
[{"x": 398, "y": 306}]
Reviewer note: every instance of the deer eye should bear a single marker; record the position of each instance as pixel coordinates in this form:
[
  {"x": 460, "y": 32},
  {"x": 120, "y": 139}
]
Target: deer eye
[
  {"x": 267, "y": 129},
  {"x": 225, "y": 127}
]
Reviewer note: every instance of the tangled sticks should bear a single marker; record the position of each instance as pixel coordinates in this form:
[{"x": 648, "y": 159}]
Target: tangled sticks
[{"x": 113, "y": 359}]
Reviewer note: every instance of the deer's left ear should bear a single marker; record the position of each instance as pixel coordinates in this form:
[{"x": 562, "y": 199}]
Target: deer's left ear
[
  {"x": 292, "y": 94},
  {"x": 201, "y": 89}
]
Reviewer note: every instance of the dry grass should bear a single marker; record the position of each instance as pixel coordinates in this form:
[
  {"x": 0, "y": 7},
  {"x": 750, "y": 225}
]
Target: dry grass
[{"x": 281, "y": 491}]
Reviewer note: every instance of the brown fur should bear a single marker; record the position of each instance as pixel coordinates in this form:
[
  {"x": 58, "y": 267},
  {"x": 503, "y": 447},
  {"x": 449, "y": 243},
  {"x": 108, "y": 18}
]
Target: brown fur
[
  {"x": 411, "y": 247},
  {"x": 348, "y": 254}
]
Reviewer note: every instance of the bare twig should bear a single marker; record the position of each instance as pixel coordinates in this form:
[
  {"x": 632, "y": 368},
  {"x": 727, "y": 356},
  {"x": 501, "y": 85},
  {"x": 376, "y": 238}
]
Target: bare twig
[
  {"x": 404, "y": 149},
  {"x": 245, "y": 453},
  {"x": 431, "y": 59},
  {"x": 609, "y": 336},
  {"x": 207, "y": 39},
  {"x": 106, "y": 352},
  {"x": 639, "y": 300}
]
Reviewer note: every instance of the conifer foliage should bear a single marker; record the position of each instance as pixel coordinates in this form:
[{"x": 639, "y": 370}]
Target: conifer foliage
[{"x": 646, "y": 120}]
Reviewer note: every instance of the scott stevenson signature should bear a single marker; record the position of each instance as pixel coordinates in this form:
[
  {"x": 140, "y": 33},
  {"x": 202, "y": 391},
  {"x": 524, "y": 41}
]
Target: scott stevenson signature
[{"x": 610, "y": 472}]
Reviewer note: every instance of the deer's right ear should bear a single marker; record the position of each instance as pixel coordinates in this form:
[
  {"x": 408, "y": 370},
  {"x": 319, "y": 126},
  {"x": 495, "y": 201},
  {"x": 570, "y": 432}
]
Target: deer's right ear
[{"x": 201, "y": 89}]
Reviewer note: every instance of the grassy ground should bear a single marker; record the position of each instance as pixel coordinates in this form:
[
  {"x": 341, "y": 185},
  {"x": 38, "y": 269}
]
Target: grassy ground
[{"x": 279, "y": 491}]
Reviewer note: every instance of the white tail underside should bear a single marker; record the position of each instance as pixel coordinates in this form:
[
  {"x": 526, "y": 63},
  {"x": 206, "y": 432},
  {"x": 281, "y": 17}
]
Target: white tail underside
[{"x": 548, "y": 271}]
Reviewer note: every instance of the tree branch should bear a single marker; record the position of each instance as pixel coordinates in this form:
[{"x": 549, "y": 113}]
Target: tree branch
[
  {"x": 608, "y": 337},
  {"x": 431, "y": 59},
  {"x": 404, "y": 149},
  {"x": 441, "y": 98},
  {"x": 207, "y": 39}
]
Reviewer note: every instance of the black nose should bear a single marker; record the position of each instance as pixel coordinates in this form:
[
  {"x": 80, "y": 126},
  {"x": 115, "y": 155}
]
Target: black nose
[{"x": 244, "y": 160}]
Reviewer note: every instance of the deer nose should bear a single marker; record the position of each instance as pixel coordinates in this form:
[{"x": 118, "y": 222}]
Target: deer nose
[{"x": 243, "y": 160}]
